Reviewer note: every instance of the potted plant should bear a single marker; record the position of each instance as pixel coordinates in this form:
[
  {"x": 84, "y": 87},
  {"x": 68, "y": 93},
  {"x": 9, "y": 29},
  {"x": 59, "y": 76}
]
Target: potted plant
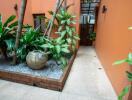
[
  {"x": 92, "y": 37},
  {"x": 129, "y": 76}
]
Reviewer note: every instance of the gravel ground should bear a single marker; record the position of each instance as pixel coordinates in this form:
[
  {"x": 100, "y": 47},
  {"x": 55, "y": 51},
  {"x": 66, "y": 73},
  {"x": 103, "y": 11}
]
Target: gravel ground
[{"x": 51, "y": 70}]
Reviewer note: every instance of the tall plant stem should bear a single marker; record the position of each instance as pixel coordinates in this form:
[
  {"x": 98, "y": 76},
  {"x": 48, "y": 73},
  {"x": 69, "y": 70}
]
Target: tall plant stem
[
  {"x": 51, "y": 22},
  {"x": 65, "y": 4},
  {"x": 19, "y": 30}
]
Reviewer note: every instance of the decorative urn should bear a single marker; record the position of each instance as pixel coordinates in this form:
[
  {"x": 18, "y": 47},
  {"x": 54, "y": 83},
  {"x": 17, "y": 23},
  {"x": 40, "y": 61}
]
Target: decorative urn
[{"x": 36, "y": 59}]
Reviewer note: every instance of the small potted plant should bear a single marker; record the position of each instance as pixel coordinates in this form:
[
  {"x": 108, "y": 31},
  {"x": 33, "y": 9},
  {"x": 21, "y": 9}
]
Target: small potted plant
[{"x": 92, "y": 37}]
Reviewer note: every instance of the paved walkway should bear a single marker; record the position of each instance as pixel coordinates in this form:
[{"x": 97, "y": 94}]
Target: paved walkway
[{"x": 87, "y": 81}]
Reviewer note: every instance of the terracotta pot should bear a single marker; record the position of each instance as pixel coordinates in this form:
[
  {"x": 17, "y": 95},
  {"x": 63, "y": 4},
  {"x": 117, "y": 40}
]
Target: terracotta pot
[{"x": 36, "y": 59}]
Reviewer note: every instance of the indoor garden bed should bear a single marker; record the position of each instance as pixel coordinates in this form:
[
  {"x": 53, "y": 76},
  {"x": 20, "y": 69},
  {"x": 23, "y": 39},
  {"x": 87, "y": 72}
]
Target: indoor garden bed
[
  {"x": 50, "y": 77},
  {"x": 33, "y": 56}
]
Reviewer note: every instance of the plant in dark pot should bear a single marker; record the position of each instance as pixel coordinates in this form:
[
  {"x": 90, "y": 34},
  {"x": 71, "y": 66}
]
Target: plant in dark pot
[
  {"x": 92, "y": 37},
  {"x": 126, "y": 90},
  {"x": 7, "y": 34}
]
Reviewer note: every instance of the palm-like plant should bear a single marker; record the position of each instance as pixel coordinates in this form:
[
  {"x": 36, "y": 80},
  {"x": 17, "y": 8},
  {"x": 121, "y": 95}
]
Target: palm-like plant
[{"x": 7, "y": 32}]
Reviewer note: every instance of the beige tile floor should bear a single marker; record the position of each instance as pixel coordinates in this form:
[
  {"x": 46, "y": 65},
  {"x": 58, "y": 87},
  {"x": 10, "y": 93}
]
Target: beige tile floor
[{"x": 85, "y": 82}]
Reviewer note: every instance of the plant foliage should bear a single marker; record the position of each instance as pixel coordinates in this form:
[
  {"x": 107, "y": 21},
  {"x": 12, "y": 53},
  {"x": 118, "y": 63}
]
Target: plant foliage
[
  {"x": 66, "y": 28},
  {"x": 57, "y": 48},
  {"x": 92, "y": 36},
  {"x": 7, "y": 32},
  {"x": 129, "y": 75},
  {"x": 30, "y": 40}
]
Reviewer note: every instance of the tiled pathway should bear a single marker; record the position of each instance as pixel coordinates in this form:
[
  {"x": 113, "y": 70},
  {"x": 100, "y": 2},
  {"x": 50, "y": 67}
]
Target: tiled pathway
[{"x": 87, "y": 81}]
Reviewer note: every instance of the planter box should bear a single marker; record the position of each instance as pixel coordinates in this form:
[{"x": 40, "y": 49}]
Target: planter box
[{"x": 44, "y": 82}]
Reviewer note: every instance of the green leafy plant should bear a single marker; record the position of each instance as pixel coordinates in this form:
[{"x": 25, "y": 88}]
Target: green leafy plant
[
  {"x": 57, "y": 48},
  {"x": 92, "y": 36},
  {"x": 126, "y": 90},
  {"x": 30, "y": 40},
  {"x": 7, "y": 32},
  {"x": 66, "y": 28}
]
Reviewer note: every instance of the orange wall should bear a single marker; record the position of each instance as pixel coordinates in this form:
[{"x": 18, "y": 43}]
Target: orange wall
[
  {"x": 35, "y": 7},
  {"x": 7, "y": 8},
  {"x": 114, "y": 40},
  {"x": 28, "y": 18},
  {"x": 43, "y": 6}
]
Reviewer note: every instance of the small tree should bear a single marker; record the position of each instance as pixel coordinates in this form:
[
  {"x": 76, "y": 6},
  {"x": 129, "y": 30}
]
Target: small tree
[{"x": 19, "y": 30}]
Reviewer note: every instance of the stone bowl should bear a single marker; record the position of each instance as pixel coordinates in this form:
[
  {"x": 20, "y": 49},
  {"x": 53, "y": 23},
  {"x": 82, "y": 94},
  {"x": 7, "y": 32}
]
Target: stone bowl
[{"x": 36, "y": 59}]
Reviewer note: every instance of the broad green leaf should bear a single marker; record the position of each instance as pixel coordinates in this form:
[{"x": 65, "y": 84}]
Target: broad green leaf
[
  {"x": 10, "y": 19},
  {"x": 58, "y": 48},
  {"x": 119, "y": 62},
  {"x": 59, "y": 40},
  {"x": 60, "y": 16},
  {"x": 130, "y": 56},
  {"x": 7, "y": 30},
  {"x": 68, "y": 22},
  {"x": 63, "y": 21},
  {"x": 13, "y": 24},
  {"x": 76, "y": 37},
  {"x": 65, "y": 45},
  {"x": 64, "y": 62},
  {"x": 129, "y": 75},
  {"x": 45, "y": 46},
  {"x": 60, "y": 28},
  {"x": 68, "y": 40},
  {"x": 63, "y": 33},
  {"x": 124, "y": 92},
  {"x": 65, "y": 50},
  {"x": 73, "y": 16},
  {"x": 129, "y": 59},
  {"x": 10, "y": 44},
  {"x": 74, "y": 42},
  {"x": 67, "y": 28},
  {"x": 73, "y": 29},
  {"x": 73, "y": 48},
  {"x": 0, "y": 24},
  {"x": 73, "y": 22}
]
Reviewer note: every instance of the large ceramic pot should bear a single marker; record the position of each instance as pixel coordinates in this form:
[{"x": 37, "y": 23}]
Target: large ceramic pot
[{"x": 36, "y": 59}]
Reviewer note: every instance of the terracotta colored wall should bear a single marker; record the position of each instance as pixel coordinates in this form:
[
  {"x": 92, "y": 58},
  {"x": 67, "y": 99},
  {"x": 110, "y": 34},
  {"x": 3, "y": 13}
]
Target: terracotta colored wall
[
  {"x": 28, "y": 18},
  {"x": 114, "y": 39},
  {"x": 7, "y": 8},
  {"x": 36, "y": 7},
  {"x": 43, "y": 6}
]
